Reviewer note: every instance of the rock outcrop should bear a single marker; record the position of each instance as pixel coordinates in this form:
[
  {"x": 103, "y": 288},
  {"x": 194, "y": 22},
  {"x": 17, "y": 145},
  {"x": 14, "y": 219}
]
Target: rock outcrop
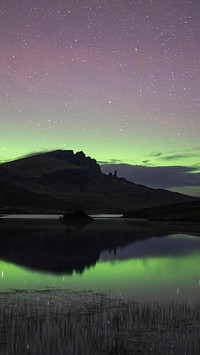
[{"x": 61, "y": 181}]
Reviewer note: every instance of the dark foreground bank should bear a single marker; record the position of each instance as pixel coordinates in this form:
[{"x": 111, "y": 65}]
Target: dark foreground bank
[
  {"x": 61, "y": 322},
  {"x": 181, "y": 212}
]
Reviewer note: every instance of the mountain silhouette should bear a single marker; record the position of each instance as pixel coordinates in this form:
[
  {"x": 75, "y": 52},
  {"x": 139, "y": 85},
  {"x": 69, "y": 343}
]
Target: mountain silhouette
[{"x": 62, "y": 181}]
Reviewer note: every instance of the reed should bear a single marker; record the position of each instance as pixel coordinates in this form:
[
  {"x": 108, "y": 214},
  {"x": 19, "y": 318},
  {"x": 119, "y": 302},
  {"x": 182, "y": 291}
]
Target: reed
[{"x": 64, "y": 322}]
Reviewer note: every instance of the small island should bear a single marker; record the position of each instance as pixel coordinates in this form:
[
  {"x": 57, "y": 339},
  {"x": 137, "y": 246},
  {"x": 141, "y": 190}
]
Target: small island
[{"x": 76, "y": 216}]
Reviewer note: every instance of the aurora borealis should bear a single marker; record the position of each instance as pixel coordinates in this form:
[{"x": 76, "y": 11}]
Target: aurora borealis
[
  {"x": 117, "y": 79},
  {"x": 147, "y": 279}
]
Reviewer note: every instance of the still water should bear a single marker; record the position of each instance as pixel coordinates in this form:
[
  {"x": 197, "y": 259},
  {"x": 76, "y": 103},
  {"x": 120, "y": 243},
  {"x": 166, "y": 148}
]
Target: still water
[{"x": 143, "y": 261}]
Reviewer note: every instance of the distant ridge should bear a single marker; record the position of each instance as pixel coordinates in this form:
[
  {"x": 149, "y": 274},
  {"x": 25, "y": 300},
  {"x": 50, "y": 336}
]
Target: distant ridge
[
  {"x": 50, "y": 161},
  {"x": 61, "y": 180},
  {"x": 186, "y": 211}
]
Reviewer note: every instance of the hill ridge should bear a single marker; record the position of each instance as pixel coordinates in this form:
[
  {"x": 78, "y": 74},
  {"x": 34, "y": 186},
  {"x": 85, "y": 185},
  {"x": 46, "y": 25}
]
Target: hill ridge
[{"x": 61, "y": 180}]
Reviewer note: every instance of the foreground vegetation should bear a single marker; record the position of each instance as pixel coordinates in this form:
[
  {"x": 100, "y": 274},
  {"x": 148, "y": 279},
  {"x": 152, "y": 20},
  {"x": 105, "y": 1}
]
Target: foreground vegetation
[{"x": 60, "y": 322}]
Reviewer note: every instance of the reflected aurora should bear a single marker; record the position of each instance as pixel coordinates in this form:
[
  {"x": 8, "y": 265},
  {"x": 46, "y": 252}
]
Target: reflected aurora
[{"x": 145, "y": 279}]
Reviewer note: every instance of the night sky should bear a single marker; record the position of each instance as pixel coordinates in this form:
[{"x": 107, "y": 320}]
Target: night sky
[{"x": 117, "y": 79}]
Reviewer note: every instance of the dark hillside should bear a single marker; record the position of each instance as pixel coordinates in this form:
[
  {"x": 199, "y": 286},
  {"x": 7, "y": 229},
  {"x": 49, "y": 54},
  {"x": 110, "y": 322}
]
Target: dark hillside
[{"x": 63, "y": 180}]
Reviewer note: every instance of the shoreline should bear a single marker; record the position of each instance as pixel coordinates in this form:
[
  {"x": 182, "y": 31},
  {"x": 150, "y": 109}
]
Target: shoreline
[{"x": 109, "y": 219}]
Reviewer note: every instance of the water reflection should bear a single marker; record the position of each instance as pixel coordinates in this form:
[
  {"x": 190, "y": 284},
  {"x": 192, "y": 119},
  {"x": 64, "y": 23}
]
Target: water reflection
[
  {"x": 146, "y": 261},
  {"x": 49, "y": 245},
  {"x": 172, "y": 245}
]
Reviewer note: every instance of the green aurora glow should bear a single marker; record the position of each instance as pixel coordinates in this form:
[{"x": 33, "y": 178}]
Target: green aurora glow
[
  {"x": 115, "y": 79},
  {"x": 148, "y": 279}
]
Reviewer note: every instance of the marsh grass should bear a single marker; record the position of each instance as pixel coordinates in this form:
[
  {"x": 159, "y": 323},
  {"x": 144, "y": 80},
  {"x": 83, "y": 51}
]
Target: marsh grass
[{"x": 69, "y": 323}]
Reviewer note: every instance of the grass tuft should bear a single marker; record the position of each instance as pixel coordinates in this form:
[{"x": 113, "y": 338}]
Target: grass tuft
[{"x": 64, "y": 322}]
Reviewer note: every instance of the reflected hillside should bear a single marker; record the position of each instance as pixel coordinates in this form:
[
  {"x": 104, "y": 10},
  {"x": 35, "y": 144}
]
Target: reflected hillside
[{"x": 55, "y": 247}]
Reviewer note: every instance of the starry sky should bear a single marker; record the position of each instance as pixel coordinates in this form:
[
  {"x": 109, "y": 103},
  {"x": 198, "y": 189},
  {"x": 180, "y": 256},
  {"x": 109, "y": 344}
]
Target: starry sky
[{"x": 118, "y": 79}]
